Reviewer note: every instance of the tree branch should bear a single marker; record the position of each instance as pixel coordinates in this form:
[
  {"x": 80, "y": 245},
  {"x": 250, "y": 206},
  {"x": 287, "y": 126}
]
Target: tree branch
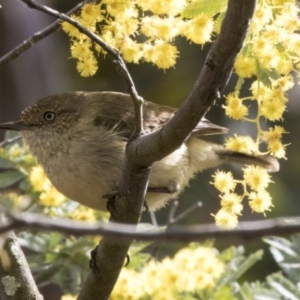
[
  {"x": 20, "y": 49},
  {"x": 247, "y": 230},
  {"x": 10, "y": 141},
  {"x": 142, "y": 152},
  {"x": 16, "y": 279}
]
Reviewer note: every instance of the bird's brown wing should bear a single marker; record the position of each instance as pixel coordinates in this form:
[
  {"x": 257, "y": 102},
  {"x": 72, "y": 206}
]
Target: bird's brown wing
[
  {"x": 155, "y": 116},
  {"x": 270, "y": 163},
  {"x": 154, "y": 121}
]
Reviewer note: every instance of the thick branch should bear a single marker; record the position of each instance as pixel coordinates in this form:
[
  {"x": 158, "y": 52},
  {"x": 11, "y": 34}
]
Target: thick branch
[
  {"x": 112, "y": 251},
  {"x": 248, "y": 230},
  {"x": 16, "y": 282},
  {"x": 142, "y": 152}
]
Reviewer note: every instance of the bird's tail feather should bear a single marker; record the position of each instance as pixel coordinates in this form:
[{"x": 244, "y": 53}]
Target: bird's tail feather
[{"x": 270, "y": 163}]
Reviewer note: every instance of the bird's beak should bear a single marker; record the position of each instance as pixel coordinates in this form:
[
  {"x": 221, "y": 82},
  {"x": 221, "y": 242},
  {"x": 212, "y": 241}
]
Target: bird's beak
[{"x": 16, "y": 126}]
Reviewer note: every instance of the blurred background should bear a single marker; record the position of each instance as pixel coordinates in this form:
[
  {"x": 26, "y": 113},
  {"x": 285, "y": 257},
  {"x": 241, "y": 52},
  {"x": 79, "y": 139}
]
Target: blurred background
[{"x": 47, "y": 69}]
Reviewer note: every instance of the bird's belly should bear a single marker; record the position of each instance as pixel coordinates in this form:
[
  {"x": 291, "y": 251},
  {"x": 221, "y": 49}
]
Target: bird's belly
[
  {"x": 85, "y": 183},
  {"x": 172, "y": 173}
]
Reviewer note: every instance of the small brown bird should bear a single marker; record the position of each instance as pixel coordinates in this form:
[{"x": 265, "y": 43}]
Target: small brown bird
[{"x": 79, "y": 138}]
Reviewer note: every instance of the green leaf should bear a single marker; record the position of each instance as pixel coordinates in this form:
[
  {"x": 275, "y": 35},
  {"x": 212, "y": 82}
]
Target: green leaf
[
  {"x": 25, "y": 186},
  {"x": 246, "y": 291},
  {"x": 55, "y": 238},
  {"x": 265, "y": 75},
  {"x": 286, "y": 255},
  {"x": 249, "y": 262},
  {"x": 283, "y": 286},
  {"x": 281, "y": 244},
  {"x": 295, "y": 240},
  {"x": 257, "y": 291},
  {"x": 206, "y": 7},
  {"x": 228, "y": 254},
  {"x": 6, "y": 164},
  {"x": 225, "y": 292},
  {"x": 36, "y": 242},
  {"x": 8, "y": 178}
]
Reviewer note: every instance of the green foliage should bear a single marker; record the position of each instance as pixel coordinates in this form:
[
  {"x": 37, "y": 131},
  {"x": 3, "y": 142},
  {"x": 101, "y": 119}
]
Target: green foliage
[
  {"x": 64, "y": 260},
  {"x": 286, "y": 254},
  {"x": 6, "y": 164},
  {"x": 237, "y": 265},
  {"x": 255, "y": 291},
  {"x": 206, "y": 7},
  {"x": 266, "y": 75},
  {"x": 223, "y": 293},
  {"x": 286, "y": 288},
  {"x": 9, "y": 178},
  {"x": 58, "y": 259},
  {"x": 280, "y": 285},
  {"x": 15, "y": 163}
]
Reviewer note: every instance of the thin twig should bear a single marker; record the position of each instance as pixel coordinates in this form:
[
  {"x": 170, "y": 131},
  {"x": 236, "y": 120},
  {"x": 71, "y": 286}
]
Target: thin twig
[
  {"x": 10, "y": 141},
  {"x": 112, "y": 53},
  {"x": 153, "y": 218},
  {"x": 38, "y": 36},
  {"x": 172, "y": 211},
  {"x": 172, "y": 220},
  {"x": 14, "y": 270},
  {"x": 247, "y": 230},
  {"x": 186, "y": 212}
]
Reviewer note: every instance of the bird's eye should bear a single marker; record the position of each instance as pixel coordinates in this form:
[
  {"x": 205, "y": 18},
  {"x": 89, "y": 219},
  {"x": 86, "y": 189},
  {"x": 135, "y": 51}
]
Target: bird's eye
[{"x": 49, "y": 116}]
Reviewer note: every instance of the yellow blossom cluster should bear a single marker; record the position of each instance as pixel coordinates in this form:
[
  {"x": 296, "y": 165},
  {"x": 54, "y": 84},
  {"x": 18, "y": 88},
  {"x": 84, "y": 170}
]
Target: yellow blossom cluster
[
  {"x": 257, "y": 179},
  {"x": 49, "y": 196},
  {"x": 19, "y": 156},
  {"x": 83, "y": 213},
  {"x": 271, "y": 103},
  {"x": 269, "y": 55},
  {"x": 120, "y": 23},
  {"x": 191, "y": 270},
  {"x": 68, "y": 297}
]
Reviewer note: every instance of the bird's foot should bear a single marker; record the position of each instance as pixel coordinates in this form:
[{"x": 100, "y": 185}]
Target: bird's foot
[
  {"x": 127, "y": 260},
  {"x": 145, "y": 209},
  {"x": 111, "y": 198},
  {"x": 172, "y": 188}
]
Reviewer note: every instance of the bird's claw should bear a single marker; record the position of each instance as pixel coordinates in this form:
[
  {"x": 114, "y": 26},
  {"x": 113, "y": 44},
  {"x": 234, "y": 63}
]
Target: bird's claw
[
  {"x": 127, "y": 260},
  {"x": 110, "y": 204},
  {"x": 145, "y": 208}
]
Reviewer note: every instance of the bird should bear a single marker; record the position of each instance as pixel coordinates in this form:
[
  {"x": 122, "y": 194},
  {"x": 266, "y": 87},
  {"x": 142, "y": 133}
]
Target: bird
[{"x": 79, "y": 138}]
